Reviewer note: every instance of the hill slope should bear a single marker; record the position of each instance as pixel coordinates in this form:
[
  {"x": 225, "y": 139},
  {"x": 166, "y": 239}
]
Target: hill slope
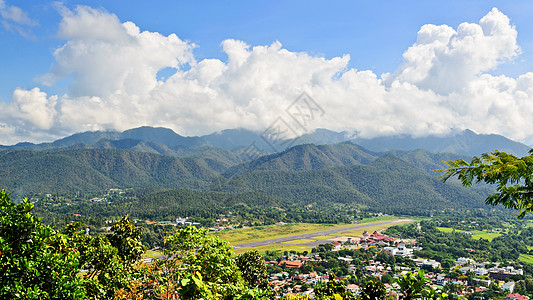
[
  {"x": 165, "y": 141},
  {"x": 387, "y": 184},
  {"x": 321, "y": 176},
  {"x": 465, "y": 143},
  {"x": 98, "y": 169}
]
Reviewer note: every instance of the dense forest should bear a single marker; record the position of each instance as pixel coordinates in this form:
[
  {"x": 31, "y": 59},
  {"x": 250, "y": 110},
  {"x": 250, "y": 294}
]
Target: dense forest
[{"x": 306, "y": 179}]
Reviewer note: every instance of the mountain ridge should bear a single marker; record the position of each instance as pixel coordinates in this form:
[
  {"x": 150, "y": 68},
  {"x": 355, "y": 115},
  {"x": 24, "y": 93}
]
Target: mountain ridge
[
  {"x": 165, "y": 141},
  {"x": 317, "y": 175}
]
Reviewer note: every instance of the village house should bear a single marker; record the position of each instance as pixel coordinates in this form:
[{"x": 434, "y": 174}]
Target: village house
[
  {"x": 504, "y": 273},
  {"x": 508, "y": 286},
  {"x": 516, "y": 297},
  {"x": 401, "y": 250}
]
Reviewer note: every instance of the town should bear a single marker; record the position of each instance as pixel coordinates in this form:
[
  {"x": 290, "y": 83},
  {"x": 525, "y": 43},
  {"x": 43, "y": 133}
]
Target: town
[{"x": 387, "y": 258}]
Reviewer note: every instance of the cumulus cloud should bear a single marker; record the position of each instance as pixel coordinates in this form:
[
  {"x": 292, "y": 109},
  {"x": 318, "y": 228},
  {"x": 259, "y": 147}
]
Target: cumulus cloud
[
  {"x": 13, "y": 18},
  {"x": 106, "y": 57},
  {"x": 443, "y": 84},
  {"x": 446, "y": 60}
]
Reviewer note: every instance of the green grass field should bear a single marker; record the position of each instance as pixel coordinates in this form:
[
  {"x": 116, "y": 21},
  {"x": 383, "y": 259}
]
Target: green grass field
[
  {"x": 476, "y": 234},
  {"x": 446, "y": 229},
  {"x": 324, "y": 237},
  {"x": 526, "y": 258},
  {"x": 151, "y": 253},
  {"x": 248, "y": 235},
  {"x": 486, "y": 235},
  {"x": 260, "y": 233},
  {"x": 300, "y": 241}
]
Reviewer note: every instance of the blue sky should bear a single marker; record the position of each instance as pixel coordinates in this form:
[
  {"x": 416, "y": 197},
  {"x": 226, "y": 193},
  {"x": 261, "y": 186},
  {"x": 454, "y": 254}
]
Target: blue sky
[{"x": 375, "y": 35}]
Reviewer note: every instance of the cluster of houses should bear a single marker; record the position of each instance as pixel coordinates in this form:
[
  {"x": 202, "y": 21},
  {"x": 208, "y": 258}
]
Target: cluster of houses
[{"x": 495, "y": 274}]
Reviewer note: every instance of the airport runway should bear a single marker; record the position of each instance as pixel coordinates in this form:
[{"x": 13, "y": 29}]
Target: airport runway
[{"x": 311, "y": 235}]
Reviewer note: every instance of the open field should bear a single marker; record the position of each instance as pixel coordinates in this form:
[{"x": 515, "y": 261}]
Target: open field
[
  {"x": 382, "y": 218},
  {"x": 526, "y": 258},
  {"x": 260, "y": 233},
  {"x": 323, "y": 237},
  {"x": 263, "y": 239},
  {"x": 486, "y": 235},
  {"x": 275, "y": 247},
  {"x": 300, "y": 241},
  {"x": 476, "y": 234},
  {"x": 151, "y": 254}
]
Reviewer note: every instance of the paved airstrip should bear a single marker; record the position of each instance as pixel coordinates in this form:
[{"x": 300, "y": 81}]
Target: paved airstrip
[{"x": 311, "y": 235}]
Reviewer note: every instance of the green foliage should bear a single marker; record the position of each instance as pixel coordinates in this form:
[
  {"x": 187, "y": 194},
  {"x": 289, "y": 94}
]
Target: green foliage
[
  {"x": 512, "y": 175},
  {"x": 373, "y": 290},
  {"x": 413, "y": 286},
  {"x": 127, "y": 239},
  {"x": 253, "y": 269},
  {"x": 105, "y": 270},
  {"x": 206, "y": 268},
  {"x": 36, "y": 261},
  {"x": 333, "y": 289},
  {"x": 40, "y": 263}
]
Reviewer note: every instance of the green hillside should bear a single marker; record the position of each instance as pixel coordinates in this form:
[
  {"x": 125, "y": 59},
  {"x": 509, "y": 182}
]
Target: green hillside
[
  {"x": 345, "y": 176},
  {"x": 92, "y": 170},
  {"x": 388, "y": 184}
]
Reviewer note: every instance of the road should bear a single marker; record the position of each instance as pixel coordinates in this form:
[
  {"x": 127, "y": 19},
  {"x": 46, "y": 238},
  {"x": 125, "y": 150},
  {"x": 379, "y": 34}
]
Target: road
[{"x": 311, "y": 235}]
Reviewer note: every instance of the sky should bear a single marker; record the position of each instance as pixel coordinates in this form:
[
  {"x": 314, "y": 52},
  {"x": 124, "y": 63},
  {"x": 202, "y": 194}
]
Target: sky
[{"x": 370, "y": 68}]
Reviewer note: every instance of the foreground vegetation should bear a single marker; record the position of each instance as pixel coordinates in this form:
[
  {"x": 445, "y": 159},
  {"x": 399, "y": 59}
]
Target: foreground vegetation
[
  {"x": 39, "y": 262},
  {"x": 42, "y": 263}
]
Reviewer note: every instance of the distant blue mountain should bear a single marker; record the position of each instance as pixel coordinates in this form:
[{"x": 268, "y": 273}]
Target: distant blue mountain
[
  {"x": 466, "y": 142},
  {"x": 165, "y": 141}
]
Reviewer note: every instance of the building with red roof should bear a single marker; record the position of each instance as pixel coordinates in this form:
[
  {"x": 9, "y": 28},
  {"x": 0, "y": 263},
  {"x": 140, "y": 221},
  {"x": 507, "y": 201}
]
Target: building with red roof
[{"x": 516, "y": 297}]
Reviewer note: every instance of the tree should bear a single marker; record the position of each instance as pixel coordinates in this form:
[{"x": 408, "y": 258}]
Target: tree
[
  {"x": 413, "y": 286},
  {"x": 512, "y": 175},
  {"x": 36, "y": 261},
  {"x": 333, "y": 289},
  {"x": 201, "y": 266},
  {"x": 253, "y": 269},
  {"x": 373, "y": 289},
  {"x": 106, "y": 272},
  {"x": 127, "y": 238}
]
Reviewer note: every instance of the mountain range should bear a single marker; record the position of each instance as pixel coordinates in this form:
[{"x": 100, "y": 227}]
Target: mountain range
[
  {"x": 393, "y": 175},
  {"x": 167, "y": 142}
]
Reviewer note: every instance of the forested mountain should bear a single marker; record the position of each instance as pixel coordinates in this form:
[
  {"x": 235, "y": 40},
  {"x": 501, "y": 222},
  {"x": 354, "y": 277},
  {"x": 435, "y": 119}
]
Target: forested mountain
[
  {"x": 86, "y": 170},
  {"x": 426, "y": 160},
  {"x": 309, "y": 157},
  {"x": 167, "y": 142},
  {"x": 466, "y": 142},
  {"x": 388, "y": 184},
  {"x": 316, "y": 176}
]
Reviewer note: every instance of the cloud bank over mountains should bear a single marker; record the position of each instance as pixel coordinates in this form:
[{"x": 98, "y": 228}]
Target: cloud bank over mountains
[{"x": 444, "y": 84}]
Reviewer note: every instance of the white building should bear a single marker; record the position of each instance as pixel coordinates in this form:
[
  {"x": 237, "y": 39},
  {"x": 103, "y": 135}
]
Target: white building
[
  {"x": 508, "y": 286},
  {"x": 401, "y": 250}
]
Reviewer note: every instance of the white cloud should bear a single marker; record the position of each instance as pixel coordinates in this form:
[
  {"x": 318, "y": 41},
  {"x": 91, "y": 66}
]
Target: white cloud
[
  {"x": 106, "y": 57},
  {"x": 445, "y": 60},
  {"x": 13, "y": 18},
  {"x": 442, "y": 85}
]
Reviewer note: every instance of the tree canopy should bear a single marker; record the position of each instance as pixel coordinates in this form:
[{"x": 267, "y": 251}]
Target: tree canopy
[{"x": 512, "y": 175}]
